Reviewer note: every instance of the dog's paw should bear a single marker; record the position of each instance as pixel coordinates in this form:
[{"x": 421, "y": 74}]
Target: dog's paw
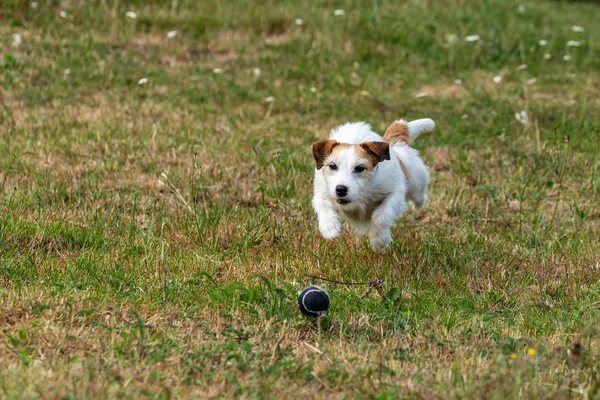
[
  {"x": 380, "y": 240},
  {"x": 330, "y": 229}
]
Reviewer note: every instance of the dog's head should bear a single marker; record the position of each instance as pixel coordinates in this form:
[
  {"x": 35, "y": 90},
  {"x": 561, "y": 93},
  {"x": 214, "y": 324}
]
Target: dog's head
[{"x": 348, "y": 168}]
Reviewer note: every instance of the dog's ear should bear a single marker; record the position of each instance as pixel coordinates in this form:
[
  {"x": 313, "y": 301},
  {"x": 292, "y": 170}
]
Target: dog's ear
[
  {"x": 379, "y": 151},
  {"x": 322, "y": 150}
]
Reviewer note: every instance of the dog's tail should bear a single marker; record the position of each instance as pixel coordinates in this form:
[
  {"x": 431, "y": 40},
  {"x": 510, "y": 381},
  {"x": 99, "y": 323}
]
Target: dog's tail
[
  {"x": 402, "y": 131},
  {"x": 418, "y": 126}
]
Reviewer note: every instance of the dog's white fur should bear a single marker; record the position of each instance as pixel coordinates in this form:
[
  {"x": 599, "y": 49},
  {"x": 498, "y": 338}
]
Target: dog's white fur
[{"x": 375, "y": 198}]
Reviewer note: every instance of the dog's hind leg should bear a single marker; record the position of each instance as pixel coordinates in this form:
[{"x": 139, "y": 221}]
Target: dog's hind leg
[
  {"x": 417, "y": 188},
  {"x": 419, "y": 199}
]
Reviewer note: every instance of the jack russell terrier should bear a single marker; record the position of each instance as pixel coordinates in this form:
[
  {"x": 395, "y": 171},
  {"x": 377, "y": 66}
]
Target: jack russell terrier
[{"x": 365, "y": 179}]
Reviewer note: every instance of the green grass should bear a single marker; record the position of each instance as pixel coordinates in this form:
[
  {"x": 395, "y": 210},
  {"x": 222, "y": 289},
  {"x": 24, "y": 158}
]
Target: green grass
[{"x": 153, "y": 237}]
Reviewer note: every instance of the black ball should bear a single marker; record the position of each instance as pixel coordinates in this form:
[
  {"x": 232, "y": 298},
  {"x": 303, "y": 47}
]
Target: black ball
[{"x": 313, "y": 301}]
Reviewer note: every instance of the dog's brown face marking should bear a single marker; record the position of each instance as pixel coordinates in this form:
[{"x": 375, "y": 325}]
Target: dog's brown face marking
[
  {"x": 367, "y": 160},
  {"x": 397, "y": 132}
]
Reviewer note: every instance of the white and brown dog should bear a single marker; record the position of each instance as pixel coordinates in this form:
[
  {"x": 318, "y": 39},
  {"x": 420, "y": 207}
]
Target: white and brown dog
[{"x": 365, "y": 179}]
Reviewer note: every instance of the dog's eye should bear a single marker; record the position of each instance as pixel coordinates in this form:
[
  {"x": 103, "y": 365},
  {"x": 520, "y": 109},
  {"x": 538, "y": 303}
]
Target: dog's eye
[
  {"x": 358, "y": 169},
  {"x": 332, "y": 166}
]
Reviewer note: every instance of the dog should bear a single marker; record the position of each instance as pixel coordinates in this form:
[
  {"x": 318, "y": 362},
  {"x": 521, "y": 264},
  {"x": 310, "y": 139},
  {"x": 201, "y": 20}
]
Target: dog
[{"x": 365, "y": 180}]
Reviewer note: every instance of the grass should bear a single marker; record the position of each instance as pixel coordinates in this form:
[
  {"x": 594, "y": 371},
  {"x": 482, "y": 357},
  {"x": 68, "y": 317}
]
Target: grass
[{"x": 153, "y": 236}]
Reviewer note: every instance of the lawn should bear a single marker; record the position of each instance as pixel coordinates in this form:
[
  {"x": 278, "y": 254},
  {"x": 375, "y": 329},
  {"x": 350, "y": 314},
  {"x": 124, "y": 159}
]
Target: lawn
[{"x": 155, "y": 188}]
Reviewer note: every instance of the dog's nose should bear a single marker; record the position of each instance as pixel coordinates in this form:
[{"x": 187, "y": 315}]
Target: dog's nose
[{"x": 341, "y": 190}]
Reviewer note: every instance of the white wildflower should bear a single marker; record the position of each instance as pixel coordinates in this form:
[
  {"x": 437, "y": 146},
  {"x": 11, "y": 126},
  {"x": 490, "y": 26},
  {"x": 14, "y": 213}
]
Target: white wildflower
[
  {"x": 457, "y": 82},
  {"x": 131, "y": 14},
  {"x": 522, "y": 117},
  {"x": 422, "y": 94},
  {"x": 542, "y": 42},
  {"x": 339, "y": 13},
  {"x": 67, "y": 71},
  {"x": 522, "y": 67},
  {"x": 576, "y": 28},
  {"x": 257, "y": 71},
  {"x": 270, "y": 99},
  {"x": 143, "y": 81},
  {"x": 217, "y": 70},
  {"x": 573, "y": 43},
  {"x": 16, "y": 40},
  {"x": 497, "y": 79},
  {"x": 547, "y": 56},
  {"x": 472, "y": 38},
  {"x": 63, "y": 14},
  {"x": 299, "y": 21},
  {"x": 313, "y": 89},
  {"x": 566, "y": 57},
  {"x": 33, "y": 4},
  {"x": 171, "y": 34}
]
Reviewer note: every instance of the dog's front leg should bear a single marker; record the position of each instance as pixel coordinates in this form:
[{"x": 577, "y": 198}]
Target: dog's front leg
[
  {"x": 330, "y": 225},
  {"x": 383, "y": 218}
]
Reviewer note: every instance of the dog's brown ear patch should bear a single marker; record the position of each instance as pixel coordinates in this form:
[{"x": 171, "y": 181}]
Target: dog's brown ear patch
[
  {"x": 378, "y": 151},
  {"x": 397, "y": 132},
  {"x": 321, "y": 150}
]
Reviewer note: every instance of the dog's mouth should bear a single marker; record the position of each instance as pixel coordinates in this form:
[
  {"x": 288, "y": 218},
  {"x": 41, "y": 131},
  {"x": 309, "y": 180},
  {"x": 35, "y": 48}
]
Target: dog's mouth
[{"x": 343, "y": 201}]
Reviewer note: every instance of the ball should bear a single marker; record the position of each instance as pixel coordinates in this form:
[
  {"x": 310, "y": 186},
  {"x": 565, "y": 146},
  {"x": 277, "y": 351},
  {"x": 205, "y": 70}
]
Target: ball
[{"x": 313, "y": 301}]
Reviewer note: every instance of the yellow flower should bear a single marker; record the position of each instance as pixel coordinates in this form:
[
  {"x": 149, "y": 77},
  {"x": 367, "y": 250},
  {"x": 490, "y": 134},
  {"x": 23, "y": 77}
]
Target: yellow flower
[
  {"x": 467, "y": 361},
  {"x": 513, "y": 356},
  {"x": 531, "y": 352}
]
